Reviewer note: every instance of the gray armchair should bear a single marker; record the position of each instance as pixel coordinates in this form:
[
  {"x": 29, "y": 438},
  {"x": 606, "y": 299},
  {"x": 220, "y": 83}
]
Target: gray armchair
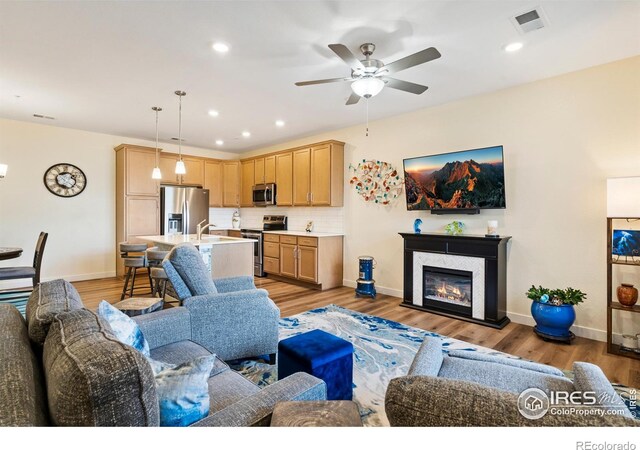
[
  {"x": 228, "y": 316},
  {"x": 464, "y": 388}
]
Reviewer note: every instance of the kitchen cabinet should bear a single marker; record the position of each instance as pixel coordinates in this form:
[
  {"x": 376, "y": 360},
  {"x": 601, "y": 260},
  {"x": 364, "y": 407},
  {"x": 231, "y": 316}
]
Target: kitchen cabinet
[
  {"x": 219, "y": 232},
  {"x": 258, "y": 175},
  {"x": 301, "y": 177},
  {"x": 234, "y": 233},
  {"x": 284, "y": 179},
  {"x": 270, "y": 169},
  {"x": 138, "y": 167},
  {"x": 231, "y": 183},
  {"x": 247, "y": 181},
  {"x": 167, "y": 164},
  {"x": 313, "y": 261},
  {"x": 195, "y": 171},
  {"x": 320, "y": 178},
  {"x": 213, "y": 182},
  {"x": 143, "y": 216}
]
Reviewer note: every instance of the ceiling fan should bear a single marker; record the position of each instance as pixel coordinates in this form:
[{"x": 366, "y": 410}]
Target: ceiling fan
[{"x": 369, "y": 76}]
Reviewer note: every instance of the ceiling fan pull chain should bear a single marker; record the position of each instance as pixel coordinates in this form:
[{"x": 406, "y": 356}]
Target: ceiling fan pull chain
[{"x": 367, "y": 102}]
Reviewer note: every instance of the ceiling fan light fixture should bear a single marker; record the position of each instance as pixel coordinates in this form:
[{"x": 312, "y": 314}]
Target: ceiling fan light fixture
[{"x": 367, "y": 87}]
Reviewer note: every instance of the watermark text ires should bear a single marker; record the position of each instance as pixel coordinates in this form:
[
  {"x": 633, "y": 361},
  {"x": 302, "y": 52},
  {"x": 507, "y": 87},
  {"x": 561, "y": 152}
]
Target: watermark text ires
[{"x": 535, "y": 403}]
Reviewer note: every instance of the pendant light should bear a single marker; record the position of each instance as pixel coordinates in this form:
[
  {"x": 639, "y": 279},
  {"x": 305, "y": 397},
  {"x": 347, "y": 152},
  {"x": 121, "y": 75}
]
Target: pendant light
[
  {"x": 156, "y": 174},
  {"x": 180, "y": 168}
]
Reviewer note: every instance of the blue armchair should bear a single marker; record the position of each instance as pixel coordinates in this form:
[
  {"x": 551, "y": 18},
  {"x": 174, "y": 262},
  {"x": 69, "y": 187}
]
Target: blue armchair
[{"x": 228, "y": 316}]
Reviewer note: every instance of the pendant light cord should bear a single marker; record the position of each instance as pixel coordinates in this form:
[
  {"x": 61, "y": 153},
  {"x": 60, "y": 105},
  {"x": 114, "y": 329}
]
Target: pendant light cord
[
  {"x": 180, "y": 127},
  {"x": 156, "y": 137}
]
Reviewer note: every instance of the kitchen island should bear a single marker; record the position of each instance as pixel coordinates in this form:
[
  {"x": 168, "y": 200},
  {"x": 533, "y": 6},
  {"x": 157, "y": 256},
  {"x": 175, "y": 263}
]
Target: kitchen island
[{"x": 225, "y": 256}]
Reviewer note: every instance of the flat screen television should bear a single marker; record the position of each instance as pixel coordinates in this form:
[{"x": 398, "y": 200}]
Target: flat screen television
[{"x": 465, "y": 180}]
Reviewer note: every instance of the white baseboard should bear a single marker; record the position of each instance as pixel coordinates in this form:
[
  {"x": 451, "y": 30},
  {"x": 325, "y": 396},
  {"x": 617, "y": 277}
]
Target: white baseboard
[
  {"x": 14, "y": 284},
  {"x": 524, "y": 319},
  {"x": 381, "y": 289}
]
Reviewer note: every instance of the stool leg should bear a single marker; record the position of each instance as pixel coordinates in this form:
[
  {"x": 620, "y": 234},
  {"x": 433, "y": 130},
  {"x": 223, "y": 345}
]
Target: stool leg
[
  {"x": 126, "y": 284},
  {"x": 153, "y": 294},
  {"x": 164, "y": 289},
  {"x": 133, "y": 281}
]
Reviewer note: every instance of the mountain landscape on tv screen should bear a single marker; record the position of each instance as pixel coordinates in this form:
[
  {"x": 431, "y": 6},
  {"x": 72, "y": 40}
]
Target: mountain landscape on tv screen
[{"x": 458, "y": 184}]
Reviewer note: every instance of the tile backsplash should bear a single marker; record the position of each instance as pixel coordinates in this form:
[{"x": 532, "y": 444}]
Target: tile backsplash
[{"x": 324, "y": 219}]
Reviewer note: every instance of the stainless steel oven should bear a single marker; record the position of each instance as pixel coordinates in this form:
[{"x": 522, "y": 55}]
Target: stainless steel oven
[
  {"x": 269, "y": 223},
  {"x": 264, "y": 194}
]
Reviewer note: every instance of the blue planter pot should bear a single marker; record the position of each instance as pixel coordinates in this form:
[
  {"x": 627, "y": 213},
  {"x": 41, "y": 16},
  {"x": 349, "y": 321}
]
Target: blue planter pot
[{"x": 553, "y": 320}]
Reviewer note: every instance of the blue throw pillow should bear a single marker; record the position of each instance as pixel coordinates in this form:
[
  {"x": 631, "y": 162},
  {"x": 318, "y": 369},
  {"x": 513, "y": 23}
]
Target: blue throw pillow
[
  {"x": 124, "y": 327},
  {"x": 183, "y": 392}
]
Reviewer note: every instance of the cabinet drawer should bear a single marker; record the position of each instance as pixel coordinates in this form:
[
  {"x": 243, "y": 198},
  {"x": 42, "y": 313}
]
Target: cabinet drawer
[
  {"x": 234, "y": 233},
  {"x": 271, "y": 265},
  {"x": 271, "y": 238},
  {"x": 288, "y": 240},
  {"x": 272, "y": 249},
  {"x": 219, "y": 232},
  {"x": 308, "y": 241}
]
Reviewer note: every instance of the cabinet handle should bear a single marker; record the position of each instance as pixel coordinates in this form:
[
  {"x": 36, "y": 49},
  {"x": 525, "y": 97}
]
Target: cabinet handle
[{"x": 312, "y": 197}]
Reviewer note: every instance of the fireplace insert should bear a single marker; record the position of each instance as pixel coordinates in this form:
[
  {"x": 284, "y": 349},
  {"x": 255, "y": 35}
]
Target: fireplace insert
[{"x": 447, "y": 290}]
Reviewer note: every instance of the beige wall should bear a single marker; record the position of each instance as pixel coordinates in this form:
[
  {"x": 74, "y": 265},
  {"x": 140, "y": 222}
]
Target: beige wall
[
  {"x": 562, "y": 138},
  {"x": 81, "y": 229}
]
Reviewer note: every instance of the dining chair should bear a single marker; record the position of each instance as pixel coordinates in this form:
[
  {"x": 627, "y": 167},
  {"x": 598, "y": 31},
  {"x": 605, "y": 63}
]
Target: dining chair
[{"x": 17, "y": 273}]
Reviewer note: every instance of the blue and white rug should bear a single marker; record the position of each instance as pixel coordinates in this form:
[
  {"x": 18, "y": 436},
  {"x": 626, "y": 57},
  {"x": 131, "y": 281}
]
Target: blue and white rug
[
  {"x": 16, "y": 298},
  {"x": 384, "y": 349}
]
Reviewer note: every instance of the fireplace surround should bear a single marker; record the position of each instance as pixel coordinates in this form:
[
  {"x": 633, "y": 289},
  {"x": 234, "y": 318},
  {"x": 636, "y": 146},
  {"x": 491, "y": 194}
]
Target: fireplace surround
[{"x": 470, "y": 265}]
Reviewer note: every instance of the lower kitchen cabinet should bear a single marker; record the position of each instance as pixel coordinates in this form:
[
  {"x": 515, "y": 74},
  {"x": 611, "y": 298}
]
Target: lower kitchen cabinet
[{"x": 312, "y": 261}]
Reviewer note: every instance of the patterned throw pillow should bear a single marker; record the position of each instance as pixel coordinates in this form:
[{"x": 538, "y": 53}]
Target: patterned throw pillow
[
  {"x": 124, "y": 327},
  {"x": 183, "y": 392}
]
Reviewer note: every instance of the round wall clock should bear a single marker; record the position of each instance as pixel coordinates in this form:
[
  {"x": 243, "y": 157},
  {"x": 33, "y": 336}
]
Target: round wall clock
[{"x": 65, "y": 180}]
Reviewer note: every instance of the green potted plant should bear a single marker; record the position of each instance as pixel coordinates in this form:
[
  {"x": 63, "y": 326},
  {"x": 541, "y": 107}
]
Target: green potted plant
[{"x": 553, "y": 310}]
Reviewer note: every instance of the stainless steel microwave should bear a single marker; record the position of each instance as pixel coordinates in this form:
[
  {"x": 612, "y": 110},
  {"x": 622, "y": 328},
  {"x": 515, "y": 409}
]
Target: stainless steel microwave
[{"x": 264, "y": 194}]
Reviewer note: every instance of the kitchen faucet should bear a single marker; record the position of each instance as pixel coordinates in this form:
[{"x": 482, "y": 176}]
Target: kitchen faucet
[{"x": 201, "y": 228}]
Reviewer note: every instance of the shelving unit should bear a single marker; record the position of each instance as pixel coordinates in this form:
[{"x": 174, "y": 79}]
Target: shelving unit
[{"x": 614, "y": 305}]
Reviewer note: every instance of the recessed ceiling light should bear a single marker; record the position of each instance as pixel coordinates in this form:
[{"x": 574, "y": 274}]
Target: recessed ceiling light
[
  {"x": 279, "y": 123},
  {"x": 513, "y": 47},
  {"x": 220, "y": 47},
  {"x": 213, "y": 113},
  {"x": 246, "y": 134},
  {"x": 219, "y": 142}
]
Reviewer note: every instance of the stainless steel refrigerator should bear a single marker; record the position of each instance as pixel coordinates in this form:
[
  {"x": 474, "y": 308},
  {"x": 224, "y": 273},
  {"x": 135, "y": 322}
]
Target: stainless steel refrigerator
[{"x": 182, "y": 209}]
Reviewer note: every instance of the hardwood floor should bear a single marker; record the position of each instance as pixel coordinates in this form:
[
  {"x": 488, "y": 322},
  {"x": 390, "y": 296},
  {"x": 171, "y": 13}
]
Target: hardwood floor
[{"x": 514, "y": 338}]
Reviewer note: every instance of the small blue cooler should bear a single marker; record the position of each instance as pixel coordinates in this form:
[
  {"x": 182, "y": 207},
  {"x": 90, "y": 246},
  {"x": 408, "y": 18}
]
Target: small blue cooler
[{"x": 366, "y": 285}]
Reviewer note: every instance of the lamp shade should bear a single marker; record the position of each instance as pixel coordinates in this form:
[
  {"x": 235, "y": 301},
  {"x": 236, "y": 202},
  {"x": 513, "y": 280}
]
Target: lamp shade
[
  {"x": 623, "y": 197},
  {"x": 156, "y": 174},
  {"x": 180, "y": 168},
  {"x": 3, "y": 170},
  {"x": 367, "y": 87}
]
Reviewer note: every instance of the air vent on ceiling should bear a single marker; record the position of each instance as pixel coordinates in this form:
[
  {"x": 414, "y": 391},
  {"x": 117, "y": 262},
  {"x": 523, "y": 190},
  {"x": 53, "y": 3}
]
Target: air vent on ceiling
[
  {"x": 40, "y": 116},
  {"x": 530, "y": 20},
  {"x": 178, "y": 139}
]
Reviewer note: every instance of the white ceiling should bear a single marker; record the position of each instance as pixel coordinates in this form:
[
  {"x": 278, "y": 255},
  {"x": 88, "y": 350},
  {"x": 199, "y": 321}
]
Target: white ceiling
[{"x": 100, "y": 66}]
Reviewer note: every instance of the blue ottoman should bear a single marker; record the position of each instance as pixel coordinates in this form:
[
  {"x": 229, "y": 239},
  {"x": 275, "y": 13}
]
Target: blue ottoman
[{"x": 322, "y": 355}]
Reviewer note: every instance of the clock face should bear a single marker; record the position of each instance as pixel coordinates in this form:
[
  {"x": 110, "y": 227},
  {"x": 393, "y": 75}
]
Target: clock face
[{"x": 65, "y": 180}]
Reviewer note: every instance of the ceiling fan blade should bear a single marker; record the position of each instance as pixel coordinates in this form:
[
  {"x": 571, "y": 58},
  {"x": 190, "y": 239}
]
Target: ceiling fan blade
[
  {"x": 422, "y": 57},
  {"x": 345, "y": 54},
  {"x": 404, "y": 85},
  {"x": 328, "y": 80},
  {"x": 353, "y": 99}
]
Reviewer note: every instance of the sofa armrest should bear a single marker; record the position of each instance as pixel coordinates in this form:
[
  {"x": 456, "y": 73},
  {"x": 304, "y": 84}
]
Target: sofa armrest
[
  {"x": 429, "y": 358},
  {"x": 236, "y": 324},
  {"x": 166, "y": 326},
  {"x": 441, "y": 402},
  {"x": 232, "y": 284},
  {"x": 512, "y": 362},
  {"x": 256, "y": 409}
]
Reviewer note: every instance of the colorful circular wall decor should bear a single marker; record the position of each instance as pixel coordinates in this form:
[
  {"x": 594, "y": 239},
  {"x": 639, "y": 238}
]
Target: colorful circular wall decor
[{"x": 376, "y": 181}]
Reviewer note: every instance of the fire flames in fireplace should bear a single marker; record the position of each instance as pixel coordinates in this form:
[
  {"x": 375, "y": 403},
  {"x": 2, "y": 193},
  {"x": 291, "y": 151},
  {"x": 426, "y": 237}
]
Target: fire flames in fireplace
[{"x": 448, "y": 287}]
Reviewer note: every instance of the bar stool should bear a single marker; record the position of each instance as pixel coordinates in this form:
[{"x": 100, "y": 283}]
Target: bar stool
[
  {"x": 134, "y": 258},
  {"x": 157, "y": 276}
]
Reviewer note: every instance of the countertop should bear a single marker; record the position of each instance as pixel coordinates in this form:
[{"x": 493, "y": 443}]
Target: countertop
[
  {"x": 207, "y": 239},
  {"x": 317, "y": 234}
]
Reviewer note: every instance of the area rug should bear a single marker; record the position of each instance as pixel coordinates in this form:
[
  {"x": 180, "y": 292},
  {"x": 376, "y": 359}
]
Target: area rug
[
  {"x": 384, "y": 349},
  {"x": 16, "y": 298}
]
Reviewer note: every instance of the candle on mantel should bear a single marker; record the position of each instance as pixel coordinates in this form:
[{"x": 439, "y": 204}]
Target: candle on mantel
[{"x": 492, "y": 228}]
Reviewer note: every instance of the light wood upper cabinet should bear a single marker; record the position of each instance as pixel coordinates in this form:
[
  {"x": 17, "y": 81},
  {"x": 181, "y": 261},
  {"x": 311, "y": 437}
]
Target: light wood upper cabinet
[
  {"x": 301, "y": 177},
  {"x": 270, "y": 169},
  {"x": 139, "y": 165},
  {"x": 284, "y": 179},
  {"x": 213, "y": 182},
  {"x": 231, "y": 183},
  {"x": 168, "y": 168},
  {"x": 248, "y": 177},
  {"x": 258, "y": 176},
  {"x": 195, "y": 171},
  {"x": 320, "y": 176}
]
